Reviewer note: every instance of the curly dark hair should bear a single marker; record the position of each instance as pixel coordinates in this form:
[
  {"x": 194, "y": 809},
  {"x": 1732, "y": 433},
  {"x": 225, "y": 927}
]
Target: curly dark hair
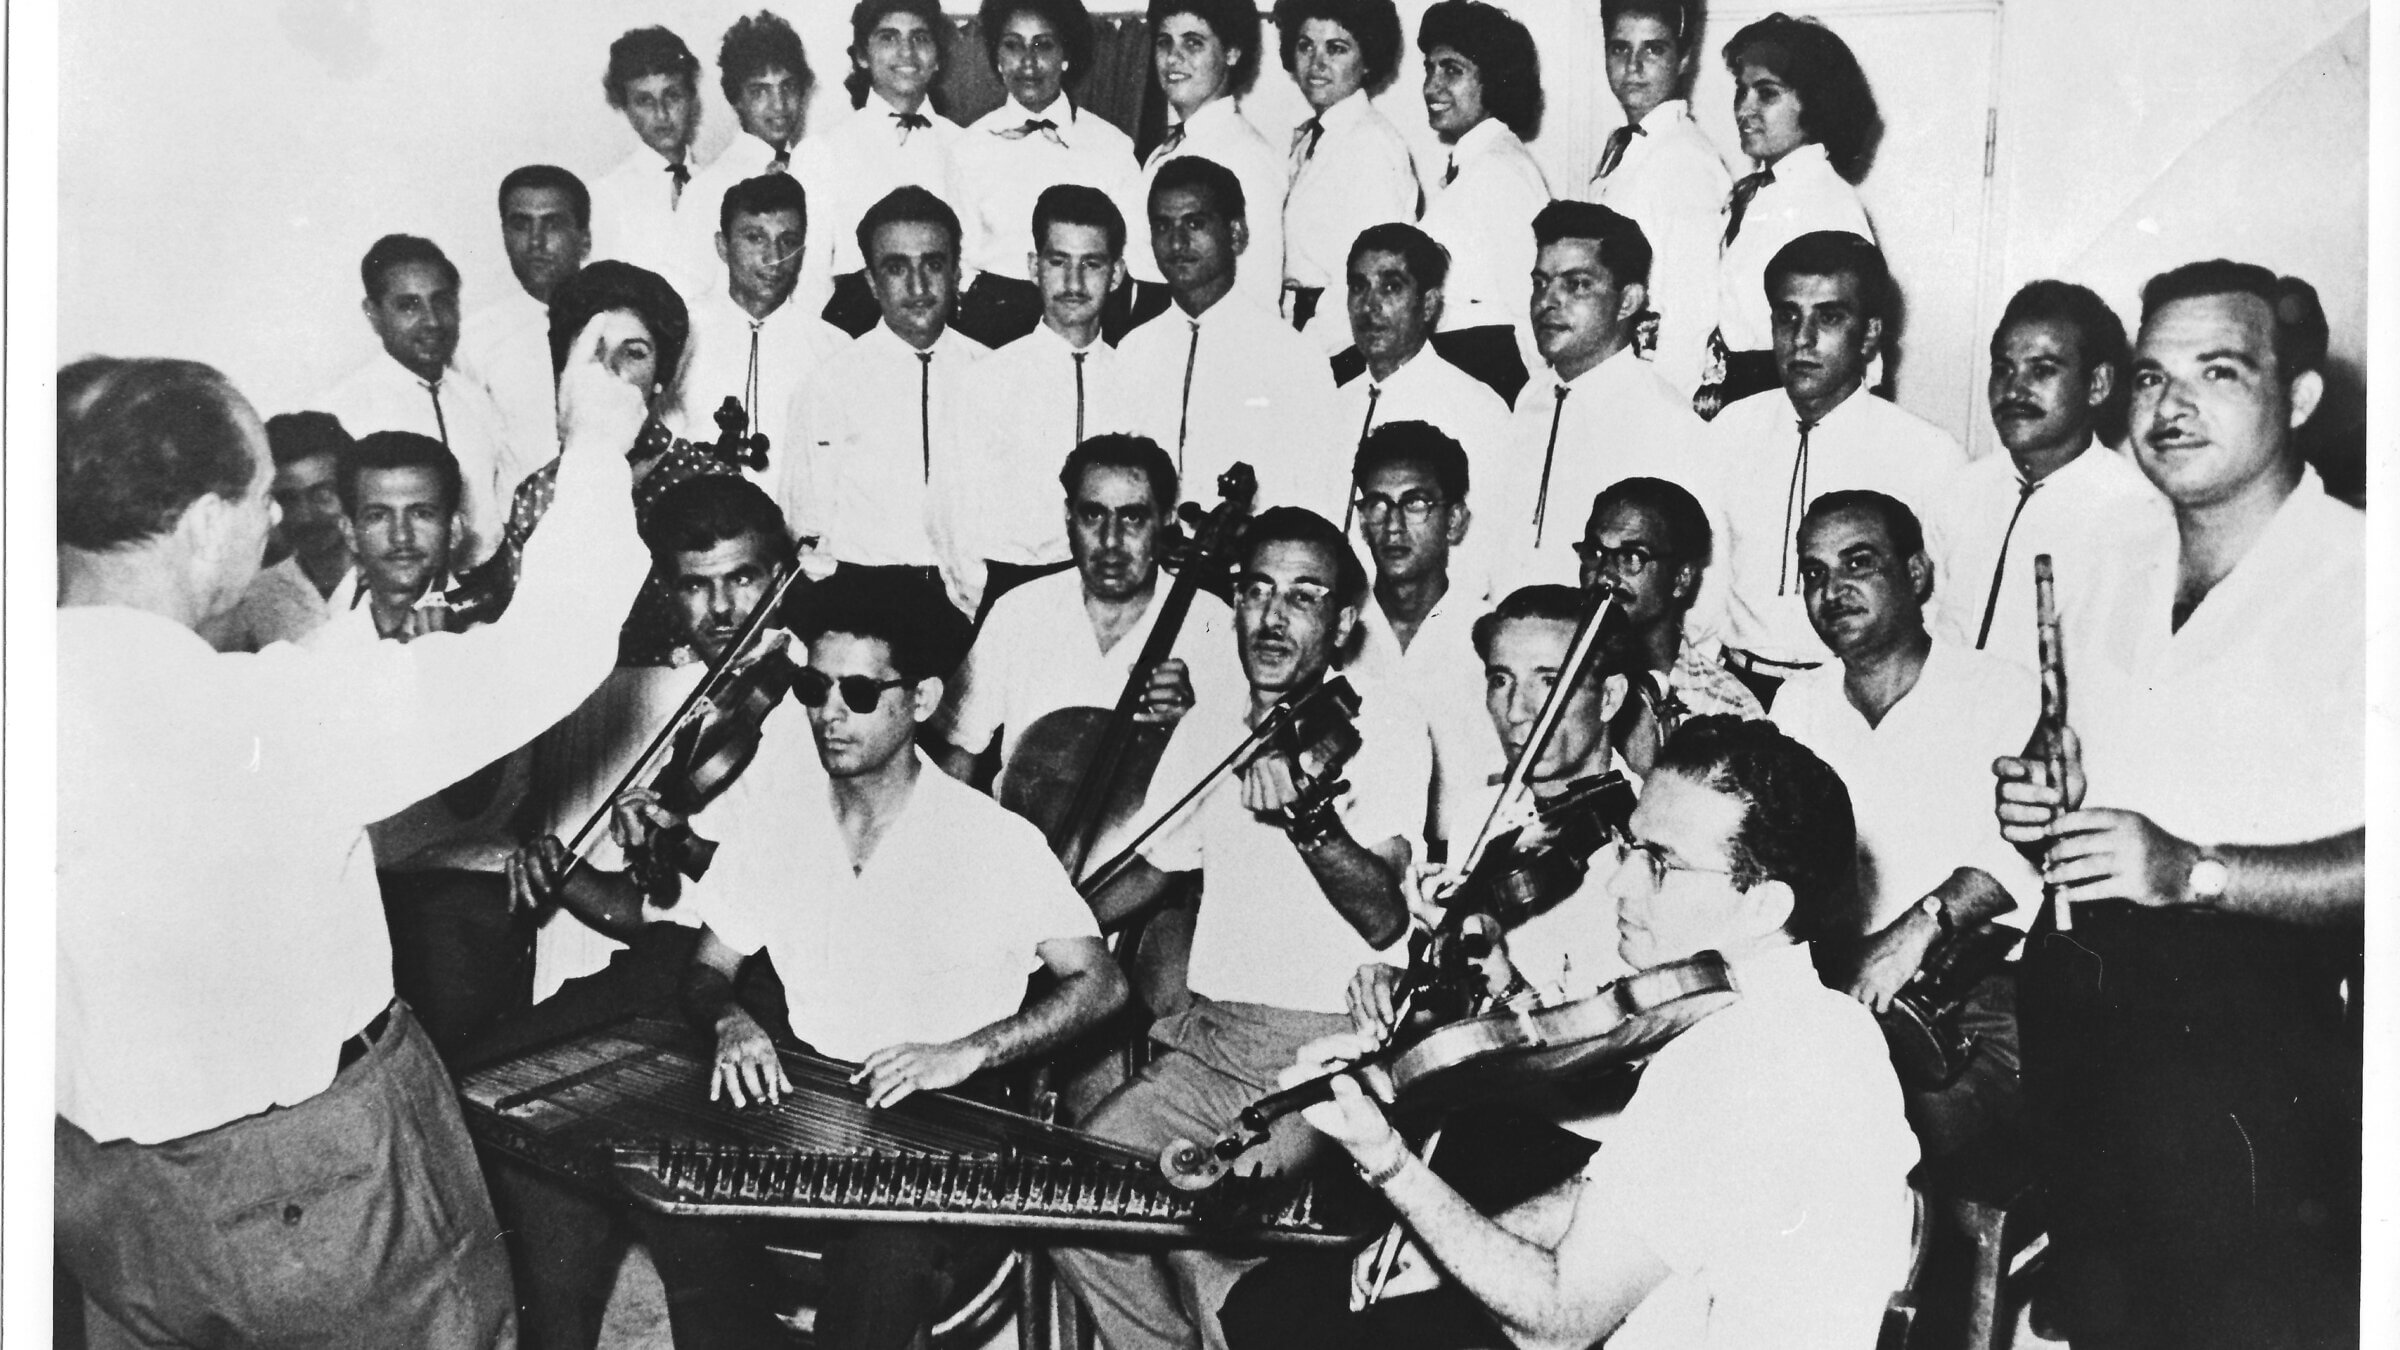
[
  {"x": 1798, "y": 828},
  {"x": 1504, "y": 56},
  {"x": 643, "y": 52},
  {"x": 1428, "y": 262},
  {"x": 1235, "y": 23},
  {"x": 862, "y": 26},
  {"x": 1374, "y": 23},
  {"x": 2099, "y": 336},
  {"x": 2301, "y": 332},
  {"x": 698, "y": 514},
  {"x": 1419, "y": 443},
  {"x": 1676, "y": 508},
  {"x": 609, "y": 284},
  {"x": 1123, "y": 450},
  {"x": 760, "y": 42},
  {"x": 1067, "y": 18},
  {"x": 1299, "y": 525},
  {"x": 1837, "y": 109},
  {"x": 398, "y": 450},
  {"x": 139, "y": 441}
]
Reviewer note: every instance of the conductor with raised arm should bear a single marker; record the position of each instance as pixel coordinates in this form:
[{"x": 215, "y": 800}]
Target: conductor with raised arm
[{"x": 238, "y": 1090}]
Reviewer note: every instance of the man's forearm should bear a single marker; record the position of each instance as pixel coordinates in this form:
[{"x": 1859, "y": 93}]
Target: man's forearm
[
  {"x": 1081, "y": 1001},
  {"x": 1971, "y": 895},
  {"x": 1516, "y": 1281},
  {"x": 2320, "y": 883},
  {"x": 608, "y": 901},
  {"x": 1360, "y": 886},
  {"x": 707, "y": 995},
  {"x": 1132, "y": 892}
]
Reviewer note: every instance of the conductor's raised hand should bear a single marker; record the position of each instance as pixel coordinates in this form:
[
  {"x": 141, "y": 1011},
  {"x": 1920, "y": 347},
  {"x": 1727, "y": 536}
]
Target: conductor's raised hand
[
  {"x": 894, "y": 1072},
  {"x": 597, "y": 407},
  {"x": 747, "y": 1069},
  {"x": 534, "y": 874}
]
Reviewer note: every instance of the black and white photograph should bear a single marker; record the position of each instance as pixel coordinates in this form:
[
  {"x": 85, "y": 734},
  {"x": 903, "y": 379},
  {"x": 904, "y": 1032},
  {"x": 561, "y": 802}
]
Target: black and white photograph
[{"x": 1198, "y": 675}]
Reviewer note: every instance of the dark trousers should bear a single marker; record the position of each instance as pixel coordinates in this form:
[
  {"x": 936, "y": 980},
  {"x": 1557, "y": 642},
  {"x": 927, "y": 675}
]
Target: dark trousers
[
  {"x": 356, "y": 1217},
  {"x": 1305, "y": 300},
  {"x": 997, "y": 310},
  {"x": 2196, "y": 1083},
  {"x": 1746, "y": 373},
  {"x": 1488, "y": 353},
  {"x": 853, "y": 307},
  {"x": 1760, "y": 680},
  {"x": 459, "y": 957},
  {"x": 1973, "y": 1132}
]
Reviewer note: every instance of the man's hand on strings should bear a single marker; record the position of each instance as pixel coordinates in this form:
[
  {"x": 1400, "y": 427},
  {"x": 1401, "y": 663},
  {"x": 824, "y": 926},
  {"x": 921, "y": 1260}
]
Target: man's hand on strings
[
  {"x": 535, "y": 873},
  {"x": 747, "y": 1068},
  {"x": 636, "y": 816},
  {"x": 894, "y": 1072},
  {"x": 1169, "y": 694},
  {"x": 1269, "y": 783}
]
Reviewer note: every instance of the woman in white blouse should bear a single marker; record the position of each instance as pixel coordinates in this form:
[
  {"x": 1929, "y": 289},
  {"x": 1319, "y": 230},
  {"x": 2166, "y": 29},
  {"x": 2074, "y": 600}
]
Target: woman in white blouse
[
  {"x": 1350, "y": 166},
  {"x": 1483, "y": 95},
  {"x": 1809, "y": 123},
  {"x": 1205, "y": 54}
]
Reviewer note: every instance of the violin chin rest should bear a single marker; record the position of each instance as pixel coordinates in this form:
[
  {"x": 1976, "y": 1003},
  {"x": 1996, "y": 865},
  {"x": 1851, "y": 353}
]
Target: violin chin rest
[{"x": 1191, "y": 1167}]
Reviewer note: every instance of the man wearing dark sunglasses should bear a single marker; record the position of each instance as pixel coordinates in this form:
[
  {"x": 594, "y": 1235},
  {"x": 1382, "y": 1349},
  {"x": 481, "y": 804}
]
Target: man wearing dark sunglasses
[
  {"x": 1300, "y": 867},
  {"x": 1758, "y": 1180},
  {"x": 1648, "y": 545}
]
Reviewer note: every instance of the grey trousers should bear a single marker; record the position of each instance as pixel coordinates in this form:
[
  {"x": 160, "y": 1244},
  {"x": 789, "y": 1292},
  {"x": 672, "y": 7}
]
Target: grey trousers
[
  {"x": 1214, "y": 1059},
  {"x": 355, "y": 1218}
]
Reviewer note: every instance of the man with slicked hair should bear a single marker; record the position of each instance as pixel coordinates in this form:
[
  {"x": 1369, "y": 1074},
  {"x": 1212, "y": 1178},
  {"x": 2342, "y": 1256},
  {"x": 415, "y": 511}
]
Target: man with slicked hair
[
  {"x": 644, "y": 210},
  {"x": 546, "y": 228}
]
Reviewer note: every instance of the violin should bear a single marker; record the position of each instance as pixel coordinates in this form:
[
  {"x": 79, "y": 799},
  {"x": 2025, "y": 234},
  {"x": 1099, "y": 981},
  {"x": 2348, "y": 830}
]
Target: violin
[
  {"x": 1080, "y": 772},
  {"x": 1491, "y": 1057}
]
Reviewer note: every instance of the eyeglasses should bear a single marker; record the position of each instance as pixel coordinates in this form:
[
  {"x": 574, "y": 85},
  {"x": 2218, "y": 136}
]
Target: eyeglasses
[
  {"x": 813, "y": 686},
  {"x": 1656, "y": 864},
  {"x": 1301, "y": 597},
  {"x": 1416, "y": 507},
  {"x": 1632, "y": 560}
]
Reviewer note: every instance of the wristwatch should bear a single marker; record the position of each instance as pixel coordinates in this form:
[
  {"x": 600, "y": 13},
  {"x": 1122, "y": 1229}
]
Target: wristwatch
[{"x": 2204, "y": 885}]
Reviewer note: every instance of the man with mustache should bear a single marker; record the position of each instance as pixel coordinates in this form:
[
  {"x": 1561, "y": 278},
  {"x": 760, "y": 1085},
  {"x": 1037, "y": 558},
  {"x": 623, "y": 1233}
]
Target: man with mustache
[
  {"x": 1415, "y": 633},
  {"x": 1649, "y": 544},
  {"x": 1220, "y": 378},
  {"x": 1820, "y": 432},
  {"x": 286, "y": 602},
  {"x": 400, "y": 501},
  {"x": 1047, "y": 392},
  {"x": 1300, "y": 864},
  {"x": 749, "y": 342},
  {"x": 1070, "y": 640},
  {"x": 763, "y": 71},
  {"x": 1597, "y": 412},
  {"x": 1910, "y": 721},
  {"x": 880, "y": 429},
  {"x": 2060, "y": 382},
  {"x": 414, "y": 385},
  {"x": 2192, "y": 1028}
]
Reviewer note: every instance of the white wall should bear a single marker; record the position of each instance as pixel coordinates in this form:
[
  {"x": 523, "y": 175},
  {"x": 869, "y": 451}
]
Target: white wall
[{"x": 224, "y": 165}]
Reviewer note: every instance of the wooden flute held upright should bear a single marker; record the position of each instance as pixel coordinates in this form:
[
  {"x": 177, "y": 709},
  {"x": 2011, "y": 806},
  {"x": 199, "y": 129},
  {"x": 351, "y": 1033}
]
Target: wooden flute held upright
[{"x": 2049, "y": 733}]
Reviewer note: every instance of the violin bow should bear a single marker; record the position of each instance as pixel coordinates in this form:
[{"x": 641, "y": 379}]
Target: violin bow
[
  {"x": 1580, "y": 653},
  {"x": 647, "y": 763}
]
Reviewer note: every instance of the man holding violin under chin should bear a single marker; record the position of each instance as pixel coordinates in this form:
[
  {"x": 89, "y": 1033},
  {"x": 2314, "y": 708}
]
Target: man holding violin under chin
[
  {"x": 1754, "y": 1191},
  {"x": 1300, "y": 859}
]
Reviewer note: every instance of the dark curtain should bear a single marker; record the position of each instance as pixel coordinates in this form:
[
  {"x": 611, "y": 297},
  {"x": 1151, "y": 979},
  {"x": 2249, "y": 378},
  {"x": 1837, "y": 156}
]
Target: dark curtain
[{"x": 1116, "y": 87}]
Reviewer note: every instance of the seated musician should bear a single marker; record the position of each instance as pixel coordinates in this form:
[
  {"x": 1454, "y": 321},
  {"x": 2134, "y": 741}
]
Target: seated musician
[
  {"x": 1649, "y": 543},
  {"x": 1300, "y": 867},
  {"x": 903, "y": 911},
  {"x": 1754, "y": 1191},
  {"x": 1912, "y": 723}
]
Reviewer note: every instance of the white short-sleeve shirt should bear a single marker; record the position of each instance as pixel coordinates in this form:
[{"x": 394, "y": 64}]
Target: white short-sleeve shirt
[
  {"x": 1267, "y": 934},
  {"x": 1921, "y": 780},
  {"x": 1765, "y": 1160},
  {"x": 931, "y": 940}
]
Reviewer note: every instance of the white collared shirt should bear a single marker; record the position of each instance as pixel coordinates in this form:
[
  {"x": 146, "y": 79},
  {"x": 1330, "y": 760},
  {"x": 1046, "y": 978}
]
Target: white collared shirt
[
  {"x": 1359, "y": 175},
  {"x": 1259, "y": 393},
  {"x": 1865, "y": 442},
  {"x": 1765, "y": 1161},
  {"x": 856, "y": 163},
  {"x": 1484, "y": 217},
  {"x": 1024, "y": 404},
  {"x": 1807, "y": 195},
  {"x": 1267, "y": 934},
  {"x": 1219, "y": 133},
  {"x": 884, "y": 442},
  {"x": 640, "y": 217},
  {"x": 929, "y": 941},
  {"x": 1429, "y": 389},
  {"x": 384, "y": 395},
  {"x": 791, "y": 342},
  {"x": 1000, "y": 175},
  {"x": 1620, "y": 419},
  {"x": 1672, "y": 183},
  {"x": 1037, "y": 653},
  {"x": 1921, "y": 780},
  {"x": 2096, "y": 516},
  {"x": 219, "y": 928},
  {"x": 505, "y": 347},
  {"x": 2247, "y": 725},
  {"x": 1442, "y": 676}
]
